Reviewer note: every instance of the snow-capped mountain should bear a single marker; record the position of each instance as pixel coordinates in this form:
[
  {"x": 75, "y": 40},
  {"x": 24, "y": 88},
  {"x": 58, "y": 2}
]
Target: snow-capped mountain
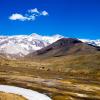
[
  {"x": 49, "y": 39},
  {"x": 93, "y": 42},
  {"x": 21, "y": 45}
]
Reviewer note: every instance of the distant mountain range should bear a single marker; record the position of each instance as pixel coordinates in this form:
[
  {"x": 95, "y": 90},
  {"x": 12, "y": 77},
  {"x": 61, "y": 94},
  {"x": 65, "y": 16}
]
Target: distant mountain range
[
  {"x": 93, "y": 42},
  {"x": 63, "y": 47},
  {"x": 21, "y": 45}
]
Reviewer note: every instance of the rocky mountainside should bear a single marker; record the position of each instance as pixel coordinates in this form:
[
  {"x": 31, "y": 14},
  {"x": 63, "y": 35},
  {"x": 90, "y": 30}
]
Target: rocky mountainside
[
  {"x": 65, "y": 46},
  {"x": 21, "y": 45}
]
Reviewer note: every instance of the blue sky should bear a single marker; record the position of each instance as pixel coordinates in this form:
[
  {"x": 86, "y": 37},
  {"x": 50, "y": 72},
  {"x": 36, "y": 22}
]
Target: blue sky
[{"x": 71, "y": 18}]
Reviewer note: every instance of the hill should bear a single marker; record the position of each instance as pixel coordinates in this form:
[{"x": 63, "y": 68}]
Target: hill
[{"x": 63, "y": 47}]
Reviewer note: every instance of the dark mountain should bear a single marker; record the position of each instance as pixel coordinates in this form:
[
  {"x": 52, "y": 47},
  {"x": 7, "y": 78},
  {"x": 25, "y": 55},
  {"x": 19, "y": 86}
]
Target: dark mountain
[{"x": 63, "y": 47}]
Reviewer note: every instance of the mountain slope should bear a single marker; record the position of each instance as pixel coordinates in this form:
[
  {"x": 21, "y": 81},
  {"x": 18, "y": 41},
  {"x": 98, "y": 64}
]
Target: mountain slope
[
  {"x": 21, "y": 45},
  {"x": 65, "y": 46},
  {"x": 18, "y": 46}
]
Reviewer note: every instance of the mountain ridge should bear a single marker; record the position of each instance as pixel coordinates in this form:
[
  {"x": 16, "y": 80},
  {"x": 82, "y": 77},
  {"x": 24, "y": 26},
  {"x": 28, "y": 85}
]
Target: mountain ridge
[
  {"x": 63, "y": 47},
  {"x": 21, "y": 45}
]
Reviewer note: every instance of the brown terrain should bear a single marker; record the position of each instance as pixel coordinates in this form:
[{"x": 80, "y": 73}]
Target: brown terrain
[
  {"x": 65, "y": 70},
  {"x": 8, "y": 96}
]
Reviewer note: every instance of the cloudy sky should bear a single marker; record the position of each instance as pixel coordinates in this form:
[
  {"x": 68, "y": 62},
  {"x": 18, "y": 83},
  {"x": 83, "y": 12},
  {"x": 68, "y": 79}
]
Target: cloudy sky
[{"x": 71, "y": 18}]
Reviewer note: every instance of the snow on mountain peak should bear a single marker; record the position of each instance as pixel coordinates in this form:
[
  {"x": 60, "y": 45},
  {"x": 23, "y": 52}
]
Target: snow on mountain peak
[
  {"x": 93, "y": 42},
  {"x": 36, "y": 36},
  {"x": 49, "y": 39},
  {"x": 21, "y": 45}
]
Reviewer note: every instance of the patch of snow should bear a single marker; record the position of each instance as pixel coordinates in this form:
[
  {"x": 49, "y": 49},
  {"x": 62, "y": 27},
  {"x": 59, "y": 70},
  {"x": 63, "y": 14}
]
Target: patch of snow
[
  {"x": 28, "y": 94},
  {"x": 81, "y": 95}
]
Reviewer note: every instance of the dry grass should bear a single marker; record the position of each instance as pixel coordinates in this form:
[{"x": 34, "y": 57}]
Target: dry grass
[
  {"x": 8, "y": 96},
  {"x": 61, "y": 78}
]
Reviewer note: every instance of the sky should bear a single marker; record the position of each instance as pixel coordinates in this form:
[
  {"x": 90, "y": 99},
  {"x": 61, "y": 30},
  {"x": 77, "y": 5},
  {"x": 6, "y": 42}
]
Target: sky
[{"x": 70, "y": 18}]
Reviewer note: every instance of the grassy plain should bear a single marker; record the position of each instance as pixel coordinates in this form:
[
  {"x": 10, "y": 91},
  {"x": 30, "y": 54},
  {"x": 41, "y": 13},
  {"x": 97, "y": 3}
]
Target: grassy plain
[{"x": 73, "y": 77}]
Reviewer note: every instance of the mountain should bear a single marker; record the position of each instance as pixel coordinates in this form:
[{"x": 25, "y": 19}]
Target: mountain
[
  {"x": 65, "y": 46},
  {"x": 15, "y": 46},
  {"x": 93, "y": 42},
  {"x": 49, "y": 39},
  {"x": 20, "y": 45}
]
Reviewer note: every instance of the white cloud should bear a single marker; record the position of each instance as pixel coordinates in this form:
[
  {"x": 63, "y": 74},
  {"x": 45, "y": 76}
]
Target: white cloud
[
  {"x": 20, "y": 17},
  {"x": 44, "y": 13},
  {"x": 17, "y": 16},
  {"x": 35, "y": 10},
  {"x": 31, "y": 15}
]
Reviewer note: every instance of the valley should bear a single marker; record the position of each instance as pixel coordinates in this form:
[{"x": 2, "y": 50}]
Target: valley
[
  {"x": 49, "y": 49},
  {"x": 73, "y": 77}
]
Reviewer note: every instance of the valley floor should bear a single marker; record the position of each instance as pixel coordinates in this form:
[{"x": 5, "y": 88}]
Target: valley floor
[
  {"x": 82, "y": 83},
  {"x": 59, "y": 86},
  {"x": 9, "y": 96}
]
